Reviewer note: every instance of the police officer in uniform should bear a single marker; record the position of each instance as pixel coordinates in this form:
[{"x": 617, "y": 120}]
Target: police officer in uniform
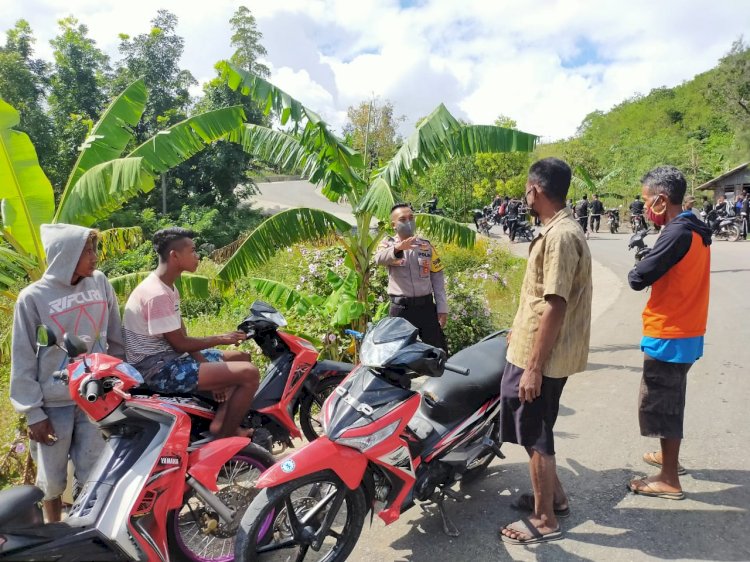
[{"x": 415, "y": 275}]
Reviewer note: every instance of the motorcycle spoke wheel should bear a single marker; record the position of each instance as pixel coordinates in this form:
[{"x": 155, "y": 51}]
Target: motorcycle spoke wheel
[
  {"x": 197, "y": 533},
  {"x": 282, "y": 521}
]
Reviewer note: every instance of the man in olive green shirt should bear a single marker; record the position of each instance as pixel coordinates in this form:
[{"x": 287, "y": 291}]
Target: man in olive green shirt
[{"x": 549, "y": 341}]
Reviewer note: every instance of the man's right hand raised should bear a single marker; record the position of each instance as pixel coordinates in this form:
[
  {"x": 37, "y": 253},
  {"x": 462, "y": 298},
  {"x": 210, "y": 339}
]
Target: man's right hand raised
[{"x": 405, "y": 244}]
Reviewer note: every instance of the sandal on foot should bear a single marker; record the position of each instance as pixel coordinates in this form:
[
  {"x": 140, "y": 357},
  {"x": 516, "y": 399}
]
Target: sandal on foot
[
  {"x": 525, "y": 502},
  {"x": 643, "y": 487},
  {"x": 525, "y": 527},
  {"x": 652, "y": 459}
]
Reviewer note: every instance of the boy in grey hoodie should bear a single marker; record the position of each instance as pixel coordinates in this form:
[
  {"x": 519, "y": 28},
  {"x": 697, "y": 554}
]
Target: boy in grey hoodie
[{"x": 72, "y": 297}]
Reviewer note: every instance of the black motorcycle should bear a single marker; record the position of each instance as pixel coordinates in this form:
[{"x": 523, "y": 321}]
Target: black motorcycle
[
  {"x": 430, "y": 207},
  {"x": 723, "y": 227},
  {"x": 524, "y": 231},
  {"x": 613, "y": 220},
  {"x": 483, "y": 219},
  {"x": 637, "y": 223},
  {"x": 639, "y": 245}
]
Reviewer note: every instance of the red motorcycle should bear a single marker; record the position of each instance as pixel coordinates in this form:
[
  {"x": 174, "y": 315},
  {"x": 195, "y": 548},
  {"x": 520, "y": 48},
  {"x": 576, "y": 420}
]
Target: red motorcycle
[
  {"x": 386, "y": 446},
  {"x": 151, "y": 496},
  {"x": 295, "y": 384}
]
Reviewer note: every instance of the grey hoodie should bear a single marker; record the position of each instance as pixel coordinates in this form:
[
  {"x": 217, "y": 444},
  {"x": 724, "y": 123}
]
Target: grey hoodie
[{"x": 87, "y": 309}]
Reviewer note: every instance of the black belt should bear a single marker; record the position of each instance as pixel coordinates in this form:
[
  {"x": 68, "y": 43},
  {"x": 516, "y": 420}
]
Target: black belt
[{"x": 411, "y": 301}]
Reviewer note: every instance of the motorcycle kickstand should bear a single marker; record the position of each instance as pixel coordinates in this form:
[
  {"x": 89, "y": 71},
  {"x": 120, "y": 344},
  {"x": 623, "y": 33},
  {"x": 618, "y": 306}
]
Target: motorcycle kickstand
[{"x": 449, "y": 528}]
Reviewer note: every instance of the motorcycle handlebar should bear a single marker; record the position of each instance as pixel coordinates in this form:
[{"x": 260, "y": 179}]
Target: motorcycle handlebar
[
  {"x": 457, "y": 369},
  {"x": 92, "y": 390}
]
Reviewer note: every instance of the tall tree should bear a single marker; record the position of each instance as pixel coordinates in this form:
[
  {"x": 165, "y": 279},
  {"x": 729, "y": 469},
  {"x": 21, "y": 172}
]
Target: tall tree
[
  {"x": 77, "y": 94},
  {"x": 372, "y": 130},
  {"x": 155, "y": 58},
  {"x": 246, "y": 41}
]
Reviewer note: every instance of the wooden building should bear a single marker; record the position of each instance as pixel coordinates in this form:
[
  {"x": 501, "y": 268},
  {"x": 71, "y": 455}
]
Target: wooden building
[{"x": 730, "y": 183}]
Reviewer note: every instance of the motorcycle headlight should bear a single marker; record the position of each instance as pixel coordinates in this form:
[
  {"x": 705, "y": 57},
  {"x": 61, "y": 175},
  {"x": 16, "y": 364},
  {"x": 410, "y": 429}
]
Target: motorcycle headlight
[{"x": 364, "y": 442}]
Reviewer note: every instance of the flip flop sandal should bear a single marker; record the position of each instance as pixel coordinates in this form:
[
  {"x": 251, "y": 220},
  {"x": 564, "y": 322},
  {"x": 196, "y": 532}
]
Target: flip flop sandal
[
  {"x": 648, "y": 490},
  {"x": 525, "y": 502},
  {"x": 653, "y": 460},
  {"x": 525, "y": 526}
]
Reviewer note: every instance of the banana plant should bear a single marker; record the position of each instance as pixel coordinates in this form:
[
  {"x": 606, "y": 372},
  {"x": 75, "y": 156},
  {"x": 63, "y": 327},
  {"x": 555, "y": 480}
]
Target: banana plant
[
  {"x": 104, "y": 177},
  {"x": 310, "y": 148}
]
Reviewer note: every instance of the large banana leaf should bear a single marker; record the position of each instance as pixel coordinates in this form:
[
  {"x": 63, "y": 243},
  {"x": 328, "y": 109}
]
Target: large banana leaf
[
  {"x": 443, "y": 229},
  {"x": 176, "y": 144},
  {"x": 378, "y": 200},
  {"x": 104, "y": 189},
  {"x": 189, "y": 284},
  {"x": 26, "y": 193},
  {"x": 283, "y": 296},
  {"x": 344, "y": 163},
  {"x": 110, "y": 135},
  {"x": 114, "y": 241},
  {"x": 14, "y": 266},
  {"x": 441, "y": 137},
  {"x": 280, "y": 231},
  {"x": 276, "y": 148}
]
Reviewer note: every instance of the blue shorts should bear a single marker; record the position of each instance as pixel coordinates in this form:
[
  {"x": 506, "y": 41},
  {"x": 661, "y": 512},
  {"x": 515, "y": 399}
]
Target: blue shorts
[{"x": 181, "y": 375}]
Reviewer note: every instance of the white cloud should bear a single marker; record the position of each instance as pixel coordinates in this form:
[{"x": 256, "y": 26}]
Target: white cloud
[{"x": 545, "y": 63}]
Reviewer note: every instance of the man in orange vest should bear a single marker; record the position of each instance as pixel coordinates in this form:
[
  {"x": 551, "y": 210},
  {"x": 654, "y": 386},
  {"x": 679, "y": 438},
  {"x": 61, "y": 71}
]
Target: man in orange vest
[{"x": 674, "y": 323}]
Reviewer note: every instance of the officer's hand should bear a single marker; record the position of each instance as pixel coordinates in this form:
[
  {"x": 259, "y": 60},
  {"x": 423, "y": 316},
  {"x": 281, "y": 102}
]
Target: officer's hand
[
  {"x": 442, "y": 319},
  {"x": 43, "y": 432},
  {"x": 230, "y": 338},
  {"x": 406, "y": 244}
]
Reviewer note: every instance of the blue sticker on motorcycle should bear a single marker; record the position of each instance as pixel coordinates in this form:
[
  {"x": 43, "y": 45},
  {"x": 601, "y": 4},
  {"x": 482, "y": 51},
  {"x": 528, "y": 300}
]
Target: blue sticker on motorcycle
[{"x": 288, "y": 466}]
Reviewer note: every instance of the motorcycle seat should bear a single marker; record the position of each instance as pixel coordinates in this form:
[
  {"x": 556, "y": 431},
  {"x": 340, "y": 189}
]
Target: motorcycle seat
[
  {"x": 452, "y": 396},
  {"x": 19, "y": 507}
]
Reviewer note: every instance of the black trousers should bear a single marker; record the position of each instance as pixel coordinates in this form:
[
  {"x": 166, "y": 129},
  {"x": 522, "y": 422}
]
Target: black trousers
[
  {"x": 595, "y": 221},
  {"x": 584, "y": 222},
  {"x": 424, "y": 318}
]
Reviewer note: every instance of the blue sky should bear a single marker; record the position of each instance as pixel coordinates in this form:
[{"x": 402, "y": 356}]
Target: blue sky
[{"x": 545, "y": 63}]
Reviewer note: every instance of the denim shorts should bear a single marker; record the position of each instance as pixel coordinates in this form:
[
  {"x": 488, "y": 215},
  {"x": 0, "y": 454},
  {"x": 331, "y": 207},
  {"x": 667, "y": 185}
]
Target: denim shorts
[
  {"x": 78, "y": 439},
  {"x": 180, "y": 376}
]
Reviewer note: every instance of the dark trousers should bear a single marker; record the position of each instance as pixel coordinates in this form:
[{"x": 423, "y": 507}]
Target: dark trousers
[
  {"x": 512, "y": 228},
  {"x": 584, "y": 222},
  {"x": 424, "y": 318},
  {"x": 595, "y": 220}
]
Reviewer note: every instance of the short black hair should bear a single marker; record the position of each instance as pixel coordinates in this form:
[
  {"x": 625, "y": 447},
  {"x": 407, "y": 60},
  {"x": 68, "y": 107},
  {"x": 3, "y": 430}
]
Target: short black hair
[
  {"x": 399, "y": 206},
  {"x": 585, "y": 196},
  {"x": 553, "y": 176},
  {"x": 667, "y": 180},
  {"x": 166, "y": 239}
]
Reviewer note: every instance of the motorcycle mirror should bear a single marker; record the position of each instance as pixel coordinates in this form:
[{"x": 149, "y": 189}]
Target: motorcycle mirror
[
  {"x": 45, "y": 337},
  {"x": 74, "y": 345}
]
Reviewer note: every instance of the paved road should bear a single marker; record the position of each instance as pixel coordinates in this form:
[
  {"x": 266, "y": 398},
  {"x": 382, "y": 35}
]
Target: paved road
[{"x": 599, "y": 446}]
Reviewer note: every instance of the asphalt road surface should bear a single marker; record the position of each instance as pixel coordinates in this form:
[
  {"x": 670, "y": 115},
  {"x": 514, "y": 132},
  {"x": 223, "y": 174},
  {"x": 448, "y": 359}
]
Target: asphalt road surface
[{"x": 599, "y": 447}]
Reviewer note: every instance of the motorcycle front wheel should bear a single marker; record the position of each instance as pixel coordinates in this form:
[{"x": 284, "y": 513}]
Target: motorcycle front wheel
[
  {"x": 733, "y": 233},
  {"x": 195, "y": 532},
  {"x": 282, "y": 522},
  {"x": 311, "y": 407}
]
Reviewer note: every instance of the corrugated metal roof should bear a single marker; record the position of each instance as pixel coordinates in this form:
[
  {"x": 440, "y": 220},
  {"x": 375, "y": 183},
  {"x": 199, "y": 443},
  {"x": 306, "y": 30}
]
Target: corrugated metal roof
[{"x": 709, "y": 184}]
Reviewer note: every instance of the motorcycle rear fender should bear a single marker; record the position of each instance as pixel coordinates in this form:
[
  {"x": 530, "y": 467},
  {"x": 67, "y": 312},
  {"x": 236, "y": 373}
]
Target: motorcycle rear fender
[
  {"x": 205, "y": 461},
  {"x": 322, "y": 454}
]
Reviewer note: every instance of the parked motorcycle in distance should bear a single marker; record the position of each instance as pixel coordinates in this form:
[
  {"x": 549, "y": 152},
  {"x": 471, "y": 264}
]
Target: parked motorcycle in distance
[
  {"x": 150, "y": 496},
  {"x": 723, "y": 227},
  {"x": 613, "y": 220},
  {"x": 483, "y": 220},
  {"x": 386, "y": 447},
  {"x": 637, "y": 242},
  {"x": 295, "y": 384},
  {"x": 637, "y": 223},
  {"x": 524, "y": 231}
]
